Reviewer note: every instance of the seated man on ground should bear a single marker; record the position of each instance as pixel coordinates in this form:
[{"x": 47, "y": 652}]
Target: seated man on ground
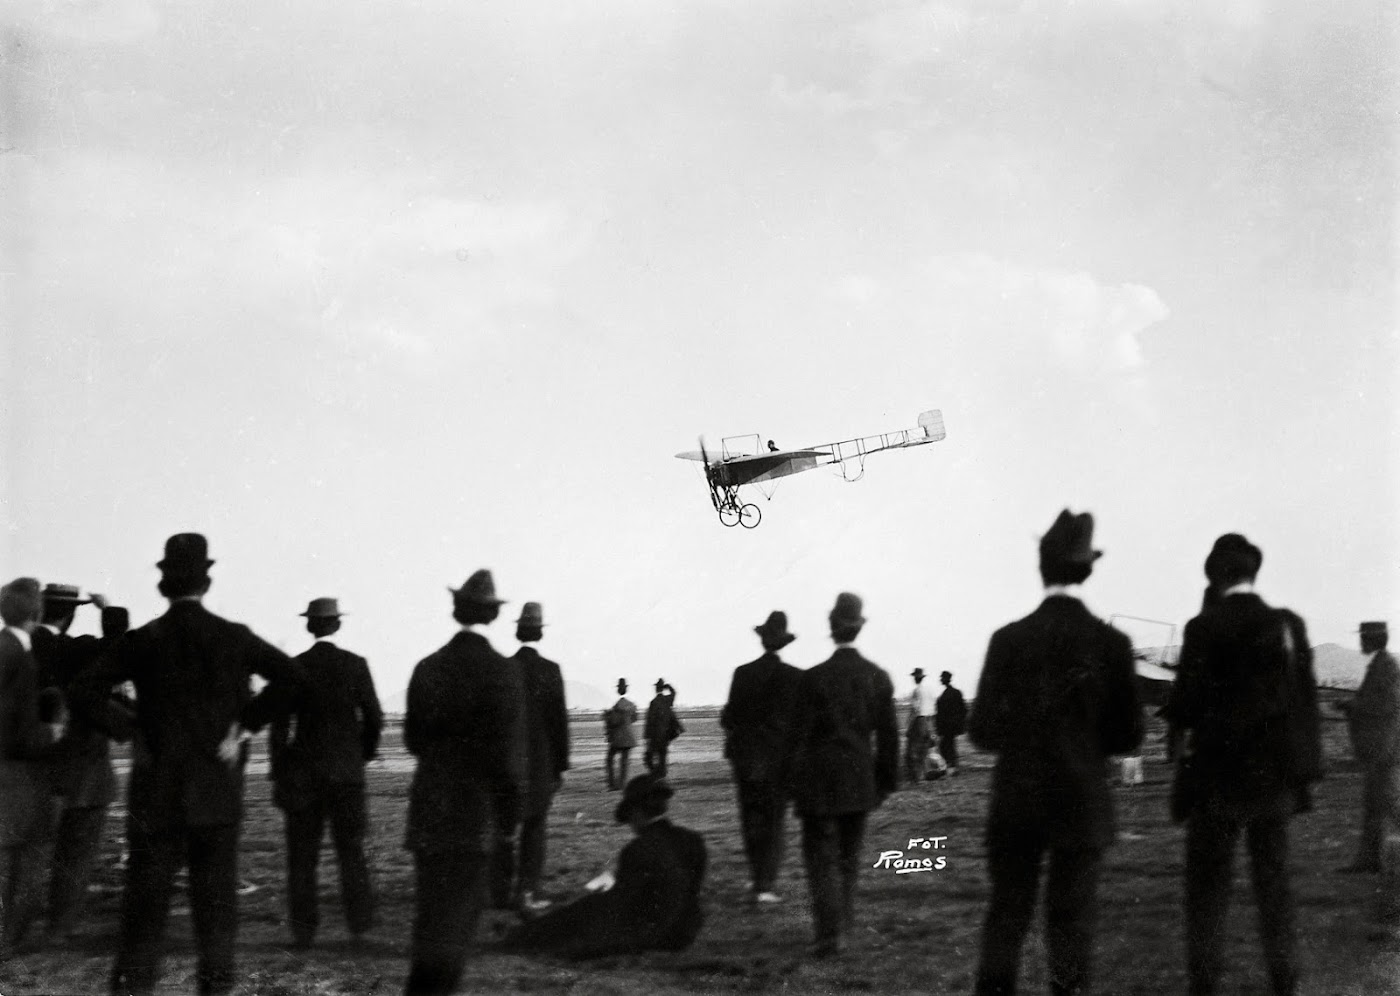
[{"x": 655, "y": 903}]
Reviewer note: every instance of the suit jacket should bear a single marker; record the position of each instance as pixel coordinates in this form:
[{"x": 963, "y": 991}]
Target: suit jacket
[
  {"x": 1373, "y": 719},
  {"x": 841, "y": 703},
  {"x": 655, "y": 904},
  {"x": 338, "y": 722},
  {"x": 950, "y": 713},
  {"x": 192, "y": 671},
  {"x": 617, "y": 722},
  {"x": 757, "y": 719},
  {"x": 82, "y": 762},
  {"x": 659, "y": 728},
  {"x": 1251, "y": 706},
  {"x": 26, "y": 746},
  {"x": 1056, "y": 698},
  {"x": 546, "y": 728},
  {"x": 466, "y": 725}
]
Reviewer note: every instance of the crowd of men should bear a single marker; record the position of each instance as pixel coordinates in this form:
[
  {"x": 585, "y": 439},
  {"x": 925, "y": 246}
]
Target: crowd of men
[{"x": 1056, "y": 698}]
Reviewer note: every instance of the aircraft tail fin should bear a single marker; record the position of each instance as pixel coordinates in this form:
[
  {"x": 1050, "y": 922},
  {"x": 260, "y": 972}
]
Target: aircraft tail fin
[{"x": 931, "y": 422}]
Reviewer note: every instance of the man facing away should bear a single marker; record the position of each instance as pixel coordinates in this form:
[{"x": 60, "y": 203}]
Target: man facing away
[
  {"x": 464, "y": 720},
  {"x": 26, "y": 746},
  {"x": 843, "y": 704},
  {"x": 918, "y": 737},
  {"x": 661, "y": 727},
  {"x": 194, "y": 712},
  {"x": 546, "y": 752},
  {"x": 617, "y": 723},
  {"x": 949, "y": 721},
  {"x": 1056, "y": 698},
  {"x": 757, "y": 721},
  {"x": 1373, "y": 721},
  {"x": 319, "y": 773},
  {"x": 1246, "y": 697}
]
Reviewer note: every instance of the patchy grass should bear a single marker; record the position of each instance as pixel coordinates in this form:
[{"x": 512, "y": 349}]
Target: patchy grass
[{"x": 915, "y": 932}]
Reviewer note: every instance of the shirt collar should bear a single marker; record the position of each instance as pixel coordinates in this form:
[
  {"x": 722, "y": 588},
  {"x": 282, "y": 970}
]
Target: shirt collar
[
  {"x": 1073, "y": 591},
  {"x": 848, "y": 645},
  {"x": 50, "y": 627},
  {"x": 1243, "y": 588},
  {"x": 328, "y": 640},
  {"x": 21, "y": 636}
]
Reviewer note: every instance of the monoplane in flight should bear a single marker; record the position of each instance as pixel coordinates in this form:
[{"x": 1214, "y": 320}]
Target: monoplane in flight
[{"x": 744, "y": 460}]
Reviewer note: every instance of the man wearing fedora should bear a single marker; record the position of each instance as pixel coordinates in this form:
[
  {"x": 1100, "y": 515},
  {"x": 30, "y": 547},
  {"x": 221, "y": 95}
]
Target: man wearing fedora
[
  {"x": 1055, "y": 700},
  {"x": 949, "y": 721},
  {"x": 835, "y": 776},
  {"x": 465, "y": 724},
  {"x": 617, "y": 724},
  {"x": 918, "y": 736},
  {"x": 757, "y": 721},
  {"x": 194, "y": 712},
  {"x": 1373, "y": 721},
  {"x": 1246, "y": 698},
  {"x": 546, "y": 754},
  {"x": 661, "y": 727},
  {"x": 319, "y": 773},
  {"x": 654, "y": 903},
  {"x": 26, "y": 747}
]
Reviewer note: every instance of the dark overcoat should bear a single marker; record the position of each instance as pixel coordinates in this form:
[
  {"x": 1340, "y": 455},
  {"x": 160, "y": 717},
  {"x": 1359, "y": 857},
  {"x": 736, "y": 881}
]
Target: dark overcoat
[
  {"x": 465, "y": 724},
  {"x": 660, "y": 726},
  {"x": 82, "y": 764},
  {"x": 655, "y": 904},
  {"x": 338, "y": 722},
  {"x": 757, "y": 718},
  {"x": 1373, "y": 720},
  {"x": 192, "y": 671},
  {"x": 950, "y": 713},
  {"x": 1056, "y": 698},
  {"x": 26, "y": 746},
  {"x": 1251, "y": 704},
  {"x": 546, "y": 728},
  {"x": 841, "y": 703}
]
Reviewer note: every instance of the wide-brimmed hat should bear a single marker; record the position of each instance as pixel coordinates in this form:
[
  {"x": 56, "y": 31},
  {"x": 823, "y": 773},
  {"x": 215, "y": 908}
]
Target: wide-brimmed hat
[
  {"x": 531, "y": 614},
  {"x": 1069, "y": 540},
  {"x": 642, "y": 789},
  {"x": 1373, "y": 629},
  {"x": 185, "y": 553},
  {"x": 322, "y": 608},
  {"x": 917, "y": 673},
  {"x": 660, "y": 684},
  {"x": 1234, "y": 550},
  {"x": 847, "y": 610},
  {"x": 64, "y": 593},
  {"x": 479, "y": 588},
  {"x": 774, "y": 630}
]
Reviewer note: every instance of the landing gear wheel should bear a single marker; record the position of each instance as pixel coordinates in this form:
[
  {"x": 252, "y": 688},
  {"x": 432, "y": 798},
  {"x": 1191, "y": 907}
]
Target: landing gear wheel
[
  {"x": 749, "y": 516},
  {"x": 729, "y": 515}
]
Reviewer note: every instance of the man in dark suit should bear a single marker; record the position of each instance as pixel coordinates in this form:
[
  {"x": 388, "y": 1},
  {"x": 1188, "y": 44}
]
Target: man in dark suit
[
  {"x": 1246, "y": 696},
  {"x": 1055, "y": 700},
  {"x": 1373, "y": 721},
  {"x": 617, "y": 724},
  {"x": 949, "y": 721},
  {"x": 320, "y": 773},
  {"x": 836, "y": 779},
  {"x": 26, "y": 746},
  {"x": 83, "y": 775},
  {"x": 194, "y": 712},
  {"x": 757, "y": 721},
  {"x": 661, "y": 727},
  {"x": 654, "y": 903},
  {"x": 546, "y": 753},
  {"x": 465, "y": 724}
]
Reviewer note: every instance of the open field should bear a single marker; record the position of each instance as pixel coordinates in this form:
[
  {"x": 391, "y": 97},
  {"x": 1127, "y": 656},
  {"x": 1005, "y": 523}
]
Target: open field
[{"x": 915, "y": 932}]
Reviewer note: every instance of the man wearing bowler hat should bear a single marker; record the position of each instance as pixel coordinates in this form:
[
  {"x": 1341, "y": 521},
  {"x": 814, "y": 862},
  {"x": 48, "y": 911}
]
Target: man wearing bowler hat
[
  {"x": 465, "y": 724},
  {"x": 836, "y": 778},
  {"x": 617, "y": 724},
  {"x": 194, "y": 712},
  {"x": 660, "y": 728},
  {"x": 1056, "y": 698},
  {"x": 949, "y": 721},
  {"x": 319, "y": 773},
  {"x": 1373, "y": 720},
  {"x": 757, "y": 721},
  {"x": 1246, "y": 699}
]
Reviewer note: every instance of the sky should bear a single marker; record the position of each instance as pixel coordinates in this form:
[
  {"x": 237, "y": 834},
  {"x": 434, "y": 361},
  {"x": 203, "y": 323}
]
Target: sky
[{"x": 376, "y": 294}]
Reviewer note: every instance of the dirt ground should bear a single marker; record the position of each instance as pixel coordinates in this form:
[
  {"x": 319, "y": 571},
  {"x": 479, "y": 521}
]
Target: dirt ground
[{"x": 915, "y": 932}]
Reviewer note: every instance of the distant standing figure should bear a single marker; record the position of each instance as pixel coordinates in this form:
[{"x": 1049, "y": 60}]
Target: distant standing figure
[
  {"x": 1056, "y": 698},
  {"x": 546, "y": 753},
  {"x": 617, "y": 722},
  {"x": 1373, "y": 720},
  {"x": 661, "y": 727},
  {"x": 465, "y": 714},
  {"x": 949, "y": 721},
  {"x": 1246, "y": 697},
  {"x": 757, "y": 721},
  {"x": 319, "y": 773},
  {"x": 844, "y": 704},
  {"x": 918, "y": 737}
]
